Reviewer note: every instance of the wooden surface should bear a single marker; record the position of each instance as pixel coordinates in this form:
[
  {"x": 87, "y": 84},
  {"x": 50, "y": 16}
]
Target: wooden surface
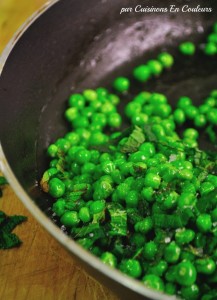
[{"x": 40, "y": 268}]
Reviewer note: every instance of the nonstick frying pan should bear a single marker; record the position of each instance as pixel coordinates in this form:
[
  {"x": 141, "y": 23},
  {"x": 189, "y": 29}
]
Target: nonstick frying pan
[{"x": 73, "y": 45}]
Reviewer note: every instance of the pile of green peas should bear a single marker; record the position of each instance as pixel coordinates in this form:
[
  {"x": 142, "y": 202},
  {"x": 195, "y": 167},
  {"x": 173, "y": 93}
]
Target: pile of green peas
[{"x": 150, "y": 210}]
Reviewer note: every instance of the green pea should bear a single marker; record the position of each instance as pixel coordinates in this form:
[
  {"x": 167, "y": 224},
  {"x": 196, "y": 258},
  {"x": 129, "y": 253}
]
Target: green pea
[
  {"x": 204, "y": 223},
  {"x": 212, "y": 116},
  {"x": 155, "y": 67},
  {"x": 206, "y": 187},
  {"x": 172, "y": 253},
  {"x": 56, "y": 188},
  {"x": 77, "y": 101},
  {"x": 153, "y": 282},
  {"x": 170, "y": 288},
  {"x": 90, "y": 95},
  {"x": 152, "y": 180},
  {"x": 131, "y": 267},
  {"x": 186, "y": 273},
  {"x": 210, "y": 48},
  {"x": 166, "y": 59},
  {"x": 132, "y": 108},
  {"x": 84, "y": 214},
  {"x": 142, "y": 73},
  {"x": 132, "y": 199},
  {"x": 147, "y": 194},
  {"x": 140, "y": 119},
  {"x": 191, "y": 133},
  {"x": 159, "y": 269},
  {"x": 121, "y": 84},
  {"x": 97, "y": 206},
  {"x": 190, "y": 292},
  {"x": 187, "y": 48},
  {"x": 70, "y": 219},
  {"x": 144, "y": 226},
  {"x": 150, "y": 250},
  {"x": 200, "y": 120},
  {"x": 59, "y": 207},
  {"x": 179, "y": 116},
  {"x": 184, "y": 236},
  {"x": 114, "y": 120},
  {"x": 109, "y": 258},
  {"x": 205, "y": 266}
]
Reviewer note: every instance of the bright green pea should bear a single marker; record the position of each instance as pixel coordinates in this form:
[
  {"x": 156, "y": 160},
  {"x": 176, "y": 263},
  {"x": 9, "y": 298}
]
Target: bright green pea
[
  {"x": 206, "y": 187},
  {"x": 147, "y": 194},
  {"x": 205, "y": 266},
  {"x": 204, "y": 223},
  {"x": 179, "y": 116},
  {"x": 121, "y": 84},
  {"x": 97, "y": 138},
  {"x": 155, "y": 67},
  {"x": 71, "y": 113},
  {"x": 187, "y": 48},
  {"x": 200, "y": 120},
  {"x": 70, "y": 219},
  {"x": 84, "y": 214},
  {"x": 140, "y": 119},
  {"x": 186, "y": 200},
  {"x": 159, "y": 269},
  {"x": 150, "y": 250},
  {"x": 97, "y": 206},
  {"x": 157, "y": 98},
  {"x": 77, "y": 101},
  {"x": 80, "y": 122},
  {"x": 212, "y": 116},
  {"x": 184, "y": 236},
  {"x": 183, "y": 102},
  {"x": 56, "y": 188},
  {"x": 172, "y": 253},
  {"x": 142, "y": 73},
  {"x": 152, "y": 180},
  {"x": 82, "y": 156},
  {"x": 212, "y": 38},
  {"x": 191, "y": 133},
  {"x": 132, "y": 199},
  {"x": 131, "y": 267},
  {"x": 186, "y": 273},
  {"x": 109, "y": 258},
  {"x": 114, "y": 99},
  {"x": 142, "y": 98},
  {"x": 132, "y": 108},
  {"x": 114, "y": 120},
  {"x": 210, "y": 49},
  {"x": 90, "y": 95},
  {"x": 166, "y": 59},
  {"x": 144, "y": 226},
  {"x": 153, "y": 282},
  {"x": 59, "y": 207}
]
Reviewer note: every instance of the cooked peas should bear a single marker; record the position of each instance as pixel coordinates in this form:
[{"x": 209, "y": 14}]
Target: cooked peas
[{"x": 143, "y": 201}]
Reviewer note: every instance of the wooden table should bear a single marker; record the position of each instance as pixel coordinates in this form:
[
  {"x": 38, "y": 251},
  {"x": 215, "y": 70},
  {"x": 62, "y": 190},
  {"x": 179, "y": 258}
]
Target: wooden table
[{"x": 40, "y": 269}]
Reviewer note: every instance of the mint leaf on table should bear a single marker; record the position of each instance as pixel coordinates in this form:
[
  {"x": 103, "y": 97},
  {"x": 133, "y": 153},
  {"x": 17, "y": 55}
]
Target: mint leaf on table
[{"x": 7, "y": 224}]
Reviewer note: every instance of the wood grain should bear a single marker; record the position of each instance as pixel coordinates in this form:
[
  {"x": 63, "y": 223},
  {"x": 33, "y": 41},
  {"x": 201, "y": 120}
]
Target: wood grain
[{"x": 40, "y": 269}]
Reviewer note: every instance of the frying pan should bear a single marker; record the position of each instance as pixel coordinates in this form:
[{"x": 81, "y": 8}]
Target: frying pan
[{"x": 71, "y": 45}]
